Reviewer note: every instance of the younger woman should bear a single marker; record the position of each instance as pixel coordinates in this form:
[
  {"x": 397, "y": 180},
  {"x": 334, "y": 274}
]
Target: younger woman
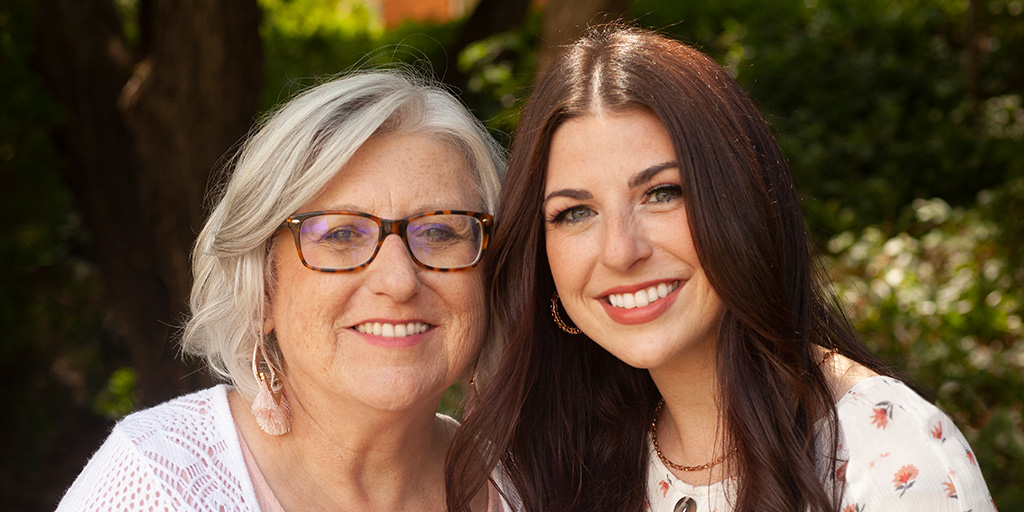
[{"x": 668, "y": 346}]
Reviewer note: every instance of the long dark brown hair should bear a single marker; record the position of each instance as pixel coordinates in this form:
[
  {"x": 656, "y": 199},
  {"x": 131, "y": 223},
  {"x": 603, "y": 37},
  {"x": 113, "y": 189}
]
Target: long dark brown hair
[{"x": 566, "y": 421}]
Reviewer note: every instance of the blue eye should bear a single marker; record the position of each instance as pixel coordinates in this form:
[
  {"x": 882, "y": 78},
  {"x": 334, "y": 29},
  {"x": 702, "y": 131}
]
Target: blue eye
[
  {"x": 664, "y": 193},
  {"x": 573, "y": 215},
  {"x": 437, "y": 233},
  {"x": 344, "y": 235}
]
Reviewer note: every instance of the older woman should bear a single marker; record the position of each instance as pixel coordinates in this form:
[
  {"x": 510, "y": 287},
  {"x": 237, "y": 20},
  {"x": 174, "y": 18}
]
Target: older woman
[
  {"x": 668, "y": 346},
  {"x": 337, "y": 289}
]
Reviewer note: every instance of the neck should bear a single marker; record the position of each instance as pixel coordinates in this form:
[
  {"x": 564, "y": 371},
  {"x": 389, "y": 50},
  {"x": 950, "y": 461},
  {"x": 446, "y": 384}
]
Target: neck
[
  {"x": 689, "y": 427},
  {"x": 351, "y": 457}
]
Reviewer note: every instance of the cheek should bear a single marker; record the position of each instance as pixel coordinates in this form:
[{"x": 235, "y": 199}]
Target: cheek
[
  {"x": 711, "y": 302},
  {"x": 560, "y": 260},
  {"x": 463, "y": 344},
  {"x": 685, "y": 243},
  {"x": 304, "y": 304},
  {"x": 467, "y": 301},
  {"x": 476, "y": 313}
]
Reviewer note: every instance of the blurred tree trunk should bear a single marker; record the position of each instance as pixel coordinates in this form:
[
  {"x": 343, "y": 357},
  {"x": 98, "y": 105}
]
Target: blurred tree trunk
[
  {"x": 145, "y": 123},
  {"x": 565, "y": 20},
  {"x": 977, "y": 42}
]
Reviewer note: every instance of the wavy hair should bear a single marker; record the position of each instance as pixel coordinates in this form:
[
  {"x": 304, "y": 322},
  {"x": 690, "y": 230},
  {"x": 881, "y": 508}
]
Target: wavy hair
[
  {"x": 283, "y": 165},
  {"x": 569, "y": 422}
]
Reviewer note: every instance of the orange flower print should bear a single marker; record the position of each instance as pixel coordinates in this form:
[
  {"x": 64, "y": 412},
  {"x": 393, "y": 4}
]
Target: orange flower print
[
  {"x": 950, "y": 488},
  {"x": 841, "y": 471},
  {"x": 970, "y": 457},
  {"x": 937, "y": 431},
  {"x": 881, "y": 414},
  {"x": 853, "y": 507},
  {"x": 663, "y": 485},
  {"x": 879, "y": 418},
  {"x": 904, "y": 478}
]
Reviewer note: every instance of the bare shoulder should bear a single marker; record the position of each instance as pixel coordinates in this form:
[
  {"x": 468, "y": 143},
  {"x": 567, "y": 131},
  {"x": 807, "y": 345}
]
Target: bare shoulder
[{"x": 843, "y": 373}]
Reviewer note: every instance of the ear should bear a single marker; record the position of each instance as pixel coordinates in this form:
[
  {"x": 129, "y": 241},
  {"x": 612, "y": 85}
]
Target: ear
[{"x": 268, "y": 325}]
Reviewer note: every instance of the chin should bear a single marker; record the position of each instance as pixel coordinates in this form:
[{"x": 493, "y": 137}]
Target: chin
[
  {"x": 395, "y": 393},
  {"x": 636, "y": 351},
  {"x": 639, "y": 361},
  {"x": 396, "y": 402}
]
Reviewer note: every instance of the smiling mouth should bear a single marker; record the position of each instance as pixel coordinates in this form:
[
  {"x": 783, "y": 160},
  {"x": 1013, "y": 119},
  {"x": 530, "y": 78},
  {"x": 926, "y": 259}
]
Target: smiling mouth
[
  {"x": 392, "y": 330},
  {"x": 643, "y": 297}
]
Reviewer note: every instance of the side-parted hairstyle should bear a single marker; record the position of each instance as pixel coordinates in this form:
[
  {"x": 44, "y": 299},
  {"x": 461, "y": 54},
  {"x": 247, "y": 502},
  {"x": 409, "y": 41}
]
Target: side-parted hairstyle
[
  {"x": 283, "y": 165},
  {"x": 568, "y": 422}
]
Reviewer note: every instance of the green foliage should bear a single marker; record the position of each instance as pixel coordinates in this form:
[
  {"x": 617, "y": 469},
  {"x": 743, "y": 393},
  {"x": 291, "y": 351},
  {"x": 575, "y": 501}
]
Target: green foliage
[
  {"x": 877, "y": 102},
  {"x": 128, "y": 11},
  {"x": 500, "y": 70},
  {"x": 328, "y": 19},
  {"x": 451, "y": 402},
  {"x": 942, "y": 300},
  {"x": 311, "y": 40},
  {"x": 118, "y": 398}
]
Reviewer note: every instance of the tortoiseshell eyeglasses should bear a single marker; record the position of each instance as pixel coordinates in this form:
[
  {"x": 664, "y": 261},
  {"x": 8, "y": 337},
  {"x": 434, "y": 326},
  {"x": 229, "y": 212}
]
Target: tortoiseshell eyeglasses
[{"x": 342, "y": 241}]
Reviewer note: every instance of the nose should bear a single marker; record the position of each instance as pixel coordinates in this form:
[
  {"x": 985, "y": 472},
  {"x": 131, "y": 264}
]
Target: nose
[
  {"x": 393, "y": 271},
  {"x": 626, "y": 242}
]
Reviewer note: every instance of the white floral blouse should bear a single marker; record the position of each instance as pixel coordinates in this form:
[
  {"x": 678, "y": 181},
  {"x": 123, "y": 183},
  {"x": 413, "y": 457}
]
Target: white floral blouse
[{"x": 897, "y": 452}]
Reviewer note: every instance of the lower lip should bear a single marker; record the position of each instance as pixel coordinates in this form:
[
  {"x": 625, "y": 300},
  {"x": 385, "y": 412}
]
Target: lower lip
[
  {"x": 643, "y": 314},
  {"x": 402, "y": 342}
]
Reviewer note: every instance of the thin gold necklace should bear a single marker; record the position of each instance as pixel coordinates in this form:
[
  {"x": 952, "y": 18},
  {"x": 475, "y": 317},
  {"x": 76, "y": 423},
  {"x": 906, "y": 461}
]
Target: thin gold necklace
[
  {"x": 707, "y": 465},
  {"x": 673, "y": 465}
]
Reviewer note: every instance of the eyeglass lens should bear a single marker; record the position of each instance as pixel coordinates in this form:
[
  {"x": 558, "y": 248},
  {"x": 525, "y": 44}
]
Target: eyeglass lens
[{"x": 340, "y": 241}]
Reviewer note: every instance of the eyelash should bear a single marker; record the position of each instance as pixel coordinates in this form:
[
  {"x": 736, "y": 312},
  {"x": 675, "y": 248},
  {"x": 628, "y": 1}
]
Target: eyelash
[
  {"x": 560, "y": 216},
  {"x": 675, "y": 189}
]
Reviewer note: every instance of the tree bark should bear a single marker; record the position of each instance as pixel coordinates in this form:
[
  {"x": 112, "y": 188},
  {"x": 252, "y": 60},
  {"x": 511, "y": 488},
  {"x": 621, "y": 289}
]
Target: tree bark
[
  {"x": 565, "y": 20},
  {"x": 144, "y": 128}
]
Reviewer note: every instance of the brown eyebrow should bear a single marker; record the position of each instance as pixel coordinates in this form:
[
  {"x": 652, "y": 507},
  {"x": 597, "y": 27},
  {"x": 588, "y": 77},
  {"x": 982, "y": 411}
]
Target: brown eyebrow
[
  {"x": 638, "y": 179},
  {"x": 571, "y": 193},
  {"x": 647, "y": 174}
]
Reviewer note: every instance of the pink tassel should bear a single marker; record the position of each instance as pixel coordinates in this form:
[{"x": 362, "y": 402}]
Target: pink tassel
[{"x": 272, "y": 415}]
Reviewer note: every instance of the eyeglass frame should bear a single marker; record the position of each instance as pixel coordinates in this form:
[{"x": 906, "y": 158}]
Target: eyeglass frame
[{"x": 389, "y": 227}]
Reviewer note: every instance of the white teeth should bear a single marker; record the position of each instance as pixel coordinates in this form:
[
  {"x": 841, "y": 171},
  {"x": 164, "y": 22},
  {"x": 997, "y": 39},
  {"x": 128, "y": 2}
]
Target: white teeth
[
  {"x": 392, "y": 330},
  {"x": 643, "y": 297}
]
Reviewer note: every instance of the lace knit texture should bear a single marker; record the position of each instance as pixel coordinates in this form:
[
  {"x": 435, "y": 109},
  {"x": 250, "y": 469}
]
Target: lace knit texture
[
  {"x": 184, "y": 454},
  {"x": 181, "y": 455}
]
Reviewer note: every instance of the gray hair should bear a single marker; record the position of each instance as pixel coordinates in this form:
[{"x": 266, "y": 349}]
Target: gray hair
[{"x": 284, "y": 165}]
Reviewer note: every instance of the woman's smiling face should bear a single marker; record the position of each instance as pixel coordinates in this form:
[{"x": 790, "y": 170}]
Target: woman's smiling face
[
  {"x": 618, "y": 240},
  {"x": 431, "y": 323}
]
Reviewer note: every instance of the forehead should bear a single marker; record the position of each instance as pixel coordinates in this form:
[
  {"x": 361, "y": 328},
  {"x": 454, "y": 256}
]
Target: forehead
[
  {"x": 397, "y": 175},
  {"x": 607, "y": 145}
]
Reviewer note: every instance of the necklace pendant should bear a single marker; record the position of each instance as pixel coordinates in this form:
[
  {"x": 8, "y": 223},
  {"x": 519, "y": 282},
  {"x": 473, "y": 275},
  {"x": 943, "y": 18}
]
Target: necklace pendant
[{"x": 686, "y": 504}]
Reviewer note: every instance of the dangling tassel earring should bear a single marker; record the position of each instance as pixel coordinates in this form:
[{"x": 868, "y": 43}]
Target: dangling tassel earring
[
  {"x": 270, "y": 408},
  {"x": 558, "y": 318}
]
